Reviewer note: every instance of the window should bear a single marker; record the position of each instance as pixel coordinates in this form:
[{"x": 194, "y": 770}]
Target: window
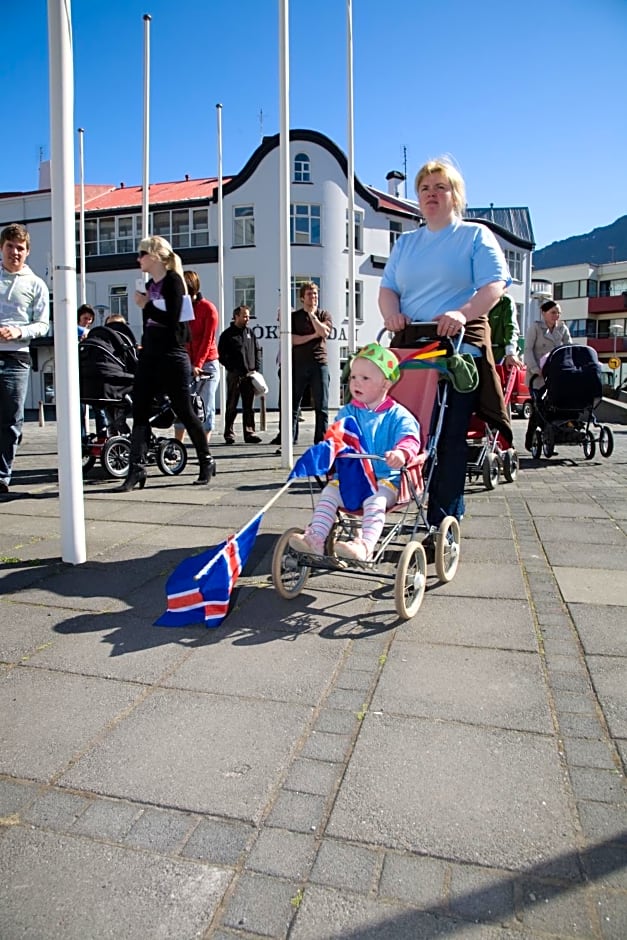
[
  {"x": 396, "y": 230},
  {"x": 118, "y": 301},
  {"x": 359, "y": 313},
  {"x": 125, "y": 241},
  {"x": 514, "y": 263},
  {"x": 200, "y": 227},
  {"x": 244, "y": 293},
  {"x": 161, "y": 224},
  {"x": 359, "y": 227},
  {"x": 302, "y": 168},
  {"x": 304, "y": 224},
  {"x": 106, "y": 236},
  {"x": 180, "y": 228},
  {"x": 243, "y": 225},
  {"x": 297, "y": 282},
  {"x": 91, "y": 237}
]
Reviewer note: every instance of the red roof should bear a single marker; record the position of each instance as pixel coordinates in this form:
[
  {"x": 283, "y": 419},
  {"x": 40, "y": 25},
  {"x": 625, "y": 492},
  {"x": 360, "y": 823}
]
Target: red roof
[{"x": 159, "y": 193}]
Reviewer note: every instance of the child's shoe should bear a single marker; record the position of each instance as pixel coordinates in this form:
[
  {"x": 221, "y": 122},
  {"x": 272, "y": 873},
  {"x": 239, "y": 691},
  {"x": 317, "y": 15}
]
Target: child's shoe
[
  {"x": 307, "y": 542},
  {"x": 357, "y": 550}
]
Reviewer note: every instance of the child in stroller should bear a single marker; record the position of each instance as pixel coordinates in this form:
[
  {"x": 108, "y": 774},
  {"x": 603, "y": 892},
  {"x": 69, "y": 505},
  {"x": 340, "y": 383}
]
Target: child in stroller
[{"x": 564, "y": 411}]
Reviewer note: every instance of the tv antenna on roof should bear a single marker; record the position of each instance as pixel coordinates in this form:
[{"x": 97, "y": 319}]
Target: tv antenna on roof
[{"x": 261, "y": 123}]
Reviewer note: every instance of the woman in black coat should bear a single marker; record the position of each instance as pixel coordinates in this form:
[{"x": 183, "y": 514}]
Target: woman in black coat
[{"x": 163, "y": 365}]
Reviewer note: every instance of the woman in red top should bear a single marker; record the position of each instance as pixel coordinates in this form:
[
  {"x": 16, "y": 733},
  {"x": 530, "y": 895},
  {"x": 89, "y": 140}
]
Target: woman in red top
[{"x": 203, "y": 352}]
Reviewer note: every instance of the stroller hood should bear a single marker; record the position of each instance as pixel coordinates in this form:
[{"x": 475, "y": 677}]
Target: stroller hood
[{"x": 573, "y": 378}]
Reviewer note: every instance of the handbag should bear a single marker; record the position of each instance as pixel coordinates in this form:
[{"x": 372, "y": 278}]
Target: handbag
[{"x": 259, "y": 383}]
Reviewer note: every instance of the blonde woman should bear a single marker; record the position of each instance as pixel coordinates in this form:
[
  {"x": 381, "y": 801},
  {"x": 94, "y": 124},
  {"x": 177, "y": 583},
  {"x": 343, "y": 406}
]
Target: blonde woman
[{"x": 164, "y": 365}]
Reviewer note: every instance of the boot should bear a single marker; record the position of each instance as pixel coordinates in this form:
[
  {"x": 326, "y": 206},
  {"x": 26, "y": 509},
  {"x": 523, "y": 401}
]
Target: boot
[
  {"x": 207, "y": 470},
  {"x": 136, "y": 477}
]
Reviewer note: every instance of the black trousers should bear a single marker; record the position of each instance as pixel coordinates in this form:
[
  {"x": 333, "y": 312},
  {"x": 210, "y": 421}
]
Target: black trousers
[
  {"x": 166, "y": 372},
  {"x": 239, "y": 386}
]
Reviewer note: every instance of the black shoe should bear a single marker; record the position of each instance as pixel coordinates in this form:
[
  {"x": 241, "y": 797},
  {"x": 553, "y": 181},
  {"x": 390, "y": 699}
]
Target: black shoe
[
  {"x": 428, "y": 544},
  {"x": 136, "y": 477},
  {"x": 4, "y": 488},
  {"x": 229, "y": 439},
  {"x": 252, "y": 439},
  {"x": 276, "y": 440},
  {"x": 207, "y": 470}
]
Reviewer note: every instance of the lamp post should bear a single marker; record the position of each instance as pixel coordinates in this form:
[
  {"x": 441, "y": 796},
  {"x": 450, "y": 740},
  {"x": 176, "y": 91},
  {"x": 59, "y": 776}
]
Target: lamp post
[{"x": 617, "y": 329}]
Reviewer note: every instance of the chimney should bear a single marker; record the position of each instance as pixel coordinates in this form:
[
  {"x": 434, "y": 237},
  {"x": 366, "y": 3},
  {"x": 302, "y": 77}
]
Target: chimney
[
  {"x": 45, "y": 180},
  {"x": 395, "y": 178}
]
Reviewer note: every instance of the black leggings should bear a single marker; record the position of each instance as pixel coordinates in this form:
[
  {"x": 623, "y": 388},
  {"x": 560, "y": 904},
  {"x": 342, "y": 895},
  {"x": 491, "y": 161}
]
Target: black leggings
[{"x": 168, "y": 372}]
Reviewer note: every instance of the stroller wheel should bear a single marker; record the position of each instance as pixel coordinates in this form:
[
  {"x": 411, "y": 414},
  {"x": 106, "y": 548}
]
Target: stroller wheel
[
  {"x": 606, "y": 441},
  {"x": 411, "y": 579},
  {"x": 589, "y": 446},
  {"x": 510, "y": 465},
  {"x": 288, "y": 574},
  {"x": 116, "y": 456},
  {"x": 447, "y": 546},
  {"x": 490, "y": 471},
  {"x": 171, "y": 457}
]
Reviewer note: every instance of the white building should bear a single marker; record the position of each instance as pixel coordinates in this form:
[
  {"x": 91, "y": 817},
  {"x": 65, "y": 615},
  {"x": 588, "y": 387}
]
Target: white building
[
  {"x": 186, "y": 213},
  {"x": 593, "y": 299}
]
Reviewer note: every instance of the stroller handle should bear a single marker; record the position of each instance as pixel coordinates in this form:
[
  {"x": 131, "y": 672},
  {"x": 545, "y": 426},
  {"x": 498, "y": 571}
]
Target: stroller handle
[{"x": 455, "y": 340}]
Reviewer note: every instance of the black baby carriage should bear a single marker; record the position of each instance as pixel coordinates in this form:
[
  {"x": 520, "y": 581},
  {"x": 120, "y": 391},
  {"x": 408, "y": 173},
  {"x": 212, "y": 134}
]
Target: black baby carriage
[
  {"x": 564, "y": 407},
  {"x": 107, "y": 363}
]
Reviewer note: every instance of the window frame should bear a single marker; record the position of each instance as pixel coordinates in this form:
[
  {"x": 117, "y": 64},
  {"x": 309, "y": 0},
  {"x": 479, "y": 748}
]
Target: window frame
[
  {"x": 310, "y": 217},
  {"x": 244, "y": 295},
  {"x": 243, "y": 235},
  {"x": 301, "y": 168}
]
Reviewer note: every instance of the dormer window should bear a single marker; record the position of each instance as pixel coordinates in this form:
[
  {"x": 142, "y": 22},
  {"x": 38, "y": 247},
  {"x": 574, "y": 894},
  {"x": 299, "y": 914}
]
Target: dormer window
[{"x": 302, "y": 168}]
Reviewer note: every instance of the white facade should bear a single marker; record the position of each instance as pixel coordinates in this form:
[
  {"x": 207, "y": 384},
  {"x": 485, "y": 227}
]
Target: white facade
[{"x": 251, "y": 249}]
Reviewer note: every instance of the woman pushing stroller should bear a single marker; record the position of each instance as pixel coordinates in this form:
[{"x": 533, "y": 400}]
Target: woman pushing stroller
[
  {"x": 388, "y": 429},
  {"x": 164, "y": 365}
]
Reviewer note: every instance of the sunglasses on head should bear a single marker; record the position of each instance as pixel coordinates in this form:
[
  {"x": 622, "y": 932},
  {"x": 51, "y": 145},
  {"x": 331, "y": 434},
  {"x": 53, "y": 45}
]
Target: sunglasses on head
[{"x": 142, "y": 254}]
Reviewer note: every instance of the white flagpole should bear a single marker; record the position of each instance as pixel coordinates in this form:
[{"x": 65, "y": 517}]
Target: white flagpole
[
  {"x": 350, "y": 179},
  {"x": 146, "y": 173},
  {"x": 81, "y": 224},
  {"x": 63, "y": 205},
  {"x": 221, "y": 256},
  {"x": 287, "y": 450}
]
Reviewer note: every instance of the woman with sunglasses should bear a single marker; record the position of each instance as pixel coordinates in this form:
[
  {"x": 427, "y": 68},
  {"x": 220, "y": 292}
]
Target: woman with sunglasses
[{"x": 164, "y": 365}]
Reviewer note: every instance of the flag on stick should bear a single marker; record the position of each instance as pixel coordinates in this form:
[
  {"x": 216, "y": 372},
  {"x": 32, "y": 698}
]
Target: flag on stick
[{"x": 357, "y": 478}]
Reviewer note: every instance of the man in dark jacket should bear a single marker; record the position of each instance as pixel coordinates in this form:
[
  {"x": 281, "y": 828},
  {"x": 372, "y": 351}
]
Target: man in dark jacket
[{"x": 239, "y": 353}]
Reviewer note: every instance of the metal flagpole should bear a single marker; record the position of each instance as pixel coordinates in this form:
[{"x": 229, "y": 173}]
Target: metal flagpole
[
  {"x": 81, "y": 224},
  {"x": 287, "y": 450},
  {"x": 63, "y": 206},
  {"x": 146, "y": 176},
  {"x": 350, "y": 180},
  {"x": 221, "y": 257}
]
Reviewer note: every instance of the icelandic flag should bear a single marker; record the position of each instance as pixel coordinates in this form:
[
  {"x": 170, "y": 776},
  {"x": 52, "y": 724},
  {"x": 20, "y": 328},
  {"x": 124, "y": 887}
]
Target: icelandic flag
[
  {"x": 431, "y": 356},
  {"x": 357, "y": 478},
  {"x": 199, "y": 589}
]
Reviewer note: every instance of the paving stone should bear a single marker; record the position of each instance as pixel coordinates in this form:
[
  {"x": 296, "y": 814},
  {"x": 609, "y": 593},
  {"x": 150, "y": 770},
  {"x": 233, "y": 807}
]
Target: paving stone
[
  {"x": 613, "y": 915},
  {"x": 327, "y": 747},
  {"x": 609, "y": 675},
  {"x": 160, "y": 830},
  {"x": 217, "y": 841},
  {"x": 416, "y": 880},
  {"x": 299, "y": 812},
  {"x": 550, "y": 908},
  {"x": 340, "y": 865},
  {"x": 482, "y": 895},
  {"x": 336, "y": 721},
  {"x": 604, "y": 786},
  {"x": 606, "y": 866},
  {"x": 580, "y": 726},
  {"x": 600, "y": 628},
  {"x": 283, "y": 854},
  {"x": 261, "y": 905},
  {"x": 56, "y": 809},
  {"x": 106, "y": 819},
  {"x": 313, "y": 776},
  {"x": 598, "y": 586},
  {"x": 354, "y": 679},
  {"x": 582, "y": 752},
  {"x": 13, "y": 796},
  {"x": 346, "y": 699},
  {"x": 575, "y": 702},
  {"x": 70, "y": 886},
  {"x": 570, "y": 682}
]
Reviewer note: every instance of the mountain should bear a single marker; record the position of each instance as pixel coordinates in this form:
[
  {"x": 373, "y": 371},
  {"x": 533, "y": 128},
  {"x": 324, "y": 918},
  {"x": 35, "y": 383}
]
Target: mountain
[{"x": 601, "y": 245}]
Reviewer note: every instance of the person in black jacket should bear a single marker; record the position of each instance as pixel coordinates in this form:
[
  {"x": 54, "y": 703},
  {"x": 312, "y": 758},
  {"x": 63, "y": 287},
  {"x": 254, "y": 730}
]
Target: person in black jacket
[
  {"x": 240, "y": 355},
  {"x": 163, "y": 364}
]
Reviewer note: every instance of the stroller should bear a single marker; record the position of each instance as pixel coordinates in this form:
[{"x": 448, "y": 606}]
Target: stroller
[
  {"x": 399, "y": 547},
  {"x": 488, "y": 452},
  {"x": 564, "y": 407},
  {"x": 107, "y": 364}
]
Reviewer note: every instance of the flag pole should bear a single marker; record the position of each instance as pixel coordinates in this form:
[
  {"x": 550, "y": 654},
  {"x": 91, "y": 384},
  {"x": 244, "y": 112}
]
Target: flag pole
[
  {"x": 81, "y": 224},
  {"x": 221, "y": 254},
  {"x": 350, "y": 180},
  {"x": 287, "y": 451},
  {"x": 63, "y": 211},
  {"x": 146, "y": 175}
]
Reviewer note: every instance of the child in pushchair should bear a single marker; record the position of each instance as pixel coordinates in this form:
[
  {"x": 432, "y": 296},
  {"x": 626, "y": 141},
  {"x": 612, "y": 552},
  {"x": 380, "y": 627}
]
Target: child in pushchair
[{"x": 564, "y": 408}]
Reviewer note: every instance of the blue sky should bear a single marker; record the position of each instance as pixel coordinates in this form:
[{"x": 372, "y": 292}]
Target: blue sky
[{"x": 528, "y": 97}]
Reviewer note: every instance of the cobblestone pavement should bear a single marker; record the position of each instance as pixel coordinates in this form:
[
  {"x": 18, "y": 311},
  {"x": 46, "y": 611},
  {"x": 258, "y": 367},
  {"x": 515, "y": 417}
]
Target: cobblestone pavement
[{"x": 314, "y": 768}]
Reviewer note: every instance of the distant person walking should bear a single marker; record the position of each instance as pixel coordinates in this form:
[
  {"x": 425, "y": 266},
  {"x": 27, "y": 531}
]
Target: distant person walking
[
  {"x": 24, "y": 315},
  {"x": 240, "y": 355}
]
